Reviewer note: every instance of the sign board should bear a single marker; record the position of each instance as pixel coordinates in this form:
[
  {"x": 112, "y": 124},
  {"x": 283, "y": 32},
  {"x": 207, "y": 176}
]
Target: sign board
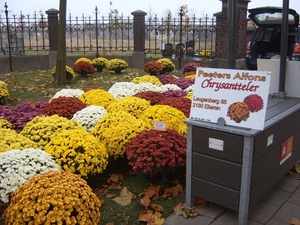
[
  {"x": 239, "y": 97},
  {"x": 286, "y": 150}
]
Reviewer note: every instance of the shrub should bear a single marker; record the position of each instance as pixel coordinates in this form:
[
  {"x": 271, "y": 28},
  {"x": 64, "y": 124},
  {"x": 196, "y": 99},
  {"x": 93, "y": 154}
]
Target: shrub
[
  {"x": 153, "y": 67},
  {"x": 55, "y": 197}
]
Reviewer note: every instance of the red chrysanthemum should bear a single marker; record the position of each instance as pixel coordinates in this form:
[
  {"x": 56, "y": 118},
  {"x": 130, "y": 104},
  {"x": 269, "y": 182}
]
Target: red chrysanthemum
[{"x": 254, "y": 102}]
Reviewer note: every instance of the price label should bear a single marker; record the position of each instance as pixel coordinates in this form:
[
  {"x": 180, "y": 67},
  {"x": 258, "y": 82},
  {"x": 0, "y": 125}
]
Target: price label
[{"x": 159, "y": 125}]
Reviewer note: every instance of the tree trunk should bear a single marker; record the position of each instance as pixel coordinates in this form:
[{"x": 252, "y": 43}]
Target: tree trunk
[{"x": 60, "y": 75}]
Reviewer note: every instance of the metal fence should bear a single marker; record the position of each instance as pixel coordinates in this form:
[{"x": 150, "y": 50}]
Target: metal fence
[{"x": 113, "y": 33}]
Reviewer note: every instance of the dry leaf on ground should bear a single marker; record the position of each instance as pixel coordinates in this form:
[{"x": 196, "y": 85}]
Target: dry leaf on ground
[
  {"x": 295, "y": 221},
  {"x": 125, "y": 197}
]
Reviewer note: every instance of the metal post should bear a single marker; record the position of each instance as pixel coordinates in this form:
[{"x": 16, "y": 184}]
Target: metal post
[
  {"x": 8, "y": 37},
  {"x": 180, "y": 38},
  {"x": 97, "y": 49},
  {"x": 232, "y": 33},
  {"x": 283, "y": 49}
]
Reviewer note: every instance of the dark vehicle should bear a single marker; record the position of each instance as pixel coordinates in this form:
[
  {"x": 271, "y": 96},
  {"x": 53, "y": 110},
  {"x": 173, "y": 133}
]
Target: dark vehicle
[{"x": 266, "y": 40}]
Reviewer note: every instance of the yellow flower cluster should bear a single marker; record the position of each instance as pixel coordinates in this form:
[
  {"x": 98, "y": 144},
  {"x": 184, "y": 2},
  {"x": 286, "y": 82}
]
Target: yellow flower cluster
[
  {"x": 41, "y": 128},
  {"x": 69, "y": 72},
  {"x": 173, "y": 117},
  {"x": 147, "y": 79},
  {"x": 100, "y": 62},
  {"x": 168, "y": 65},
  {"x": 133, "y": 105},
  {"x": 5, "y": 124},
  {"x": 97, "y": 97},
  {"x": 3, "y": 90},
  {"x": 117, "y": 64},
  {"x": 10, "y": 139},
  {"x": 55, "y": 197},
  {"x": 84, "y": 60},
  {"x": 205, "y": 53},
  {"x": 190, "y": 95},
  {"x": 79, "y": 152},
  {"x": 116, "y": 129}
]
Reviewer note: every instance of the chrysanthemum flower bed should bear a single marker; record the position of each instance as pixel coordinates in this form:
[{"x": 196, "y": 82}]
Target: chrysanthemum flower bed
[{"x": 55, "y": 197}]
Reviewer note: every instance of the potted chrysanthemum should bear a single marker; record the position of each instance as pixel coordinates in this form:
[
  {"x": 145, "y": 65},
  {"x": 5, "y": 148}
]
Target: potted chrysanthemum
[
  {"x": 167, "y": 64},
  {"x": 117, "y": 65},
  {"x": 83, "y": 68},
  {"x": 69, "y": 72},
  {"x": 100, "y": 63},
  {"x": 54, "y": 197},
  {"x": 152, "y": 67},
  {"x": 3, "y": 91}
]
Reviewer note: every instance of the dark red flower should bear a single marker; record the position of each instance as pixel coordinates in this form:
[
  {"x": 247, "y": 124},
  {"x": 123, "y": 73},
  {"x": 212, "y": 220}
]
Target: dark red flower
[{"x": 254, "y": 102}]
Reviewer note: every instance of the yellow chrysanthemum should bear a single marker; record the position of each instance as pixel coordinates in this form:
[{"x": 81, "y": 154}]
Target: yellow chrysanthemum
[
  {"x": 55, "y": 197},
  {"x": 147, "y": 79},
  {"x": 97, "y": 97}
]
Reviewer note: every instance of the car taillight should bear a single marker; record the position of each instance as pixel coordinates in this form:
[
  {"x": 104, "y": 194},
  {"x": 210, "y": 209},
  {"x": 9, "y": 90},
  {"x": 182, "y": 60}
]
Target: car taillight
[
  {"x": 248, "y": 50},
  {"x": 296, "y": 49}
]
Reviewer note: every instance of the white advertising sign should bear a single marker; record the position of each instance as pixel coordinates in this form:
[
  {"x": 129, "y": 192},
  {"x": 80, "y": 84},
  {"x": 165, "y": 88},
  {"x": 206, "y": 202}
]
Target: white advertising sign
[{"x": 238, "y": 96}]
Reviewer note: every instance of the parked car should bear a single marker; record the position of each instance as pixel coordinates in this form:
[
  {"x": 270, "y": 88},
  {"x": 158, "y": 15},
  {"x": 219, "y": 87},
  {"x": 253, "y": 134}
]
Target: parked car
[{"x": 266, "y": 40}]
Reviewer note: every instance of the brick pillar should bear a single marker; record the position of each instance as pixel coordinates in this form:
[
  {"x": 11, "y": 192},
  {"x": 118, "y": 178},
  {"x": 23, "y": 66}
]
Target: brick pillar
[
  {"x": 53, "y": 35},
  {"x": 222, "y": 32},
  {"x": 139, "y": 56}
]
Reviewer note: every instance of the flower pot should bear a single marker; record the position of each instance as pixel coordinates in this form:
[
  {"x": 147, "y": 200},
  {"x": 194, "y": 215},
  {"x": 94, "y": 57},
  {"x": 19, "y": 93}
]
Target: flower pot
[
  {"x": 118, "y": 71},
  {"x": 83, "y": 75},
  {"x": 99, "y": 68}
]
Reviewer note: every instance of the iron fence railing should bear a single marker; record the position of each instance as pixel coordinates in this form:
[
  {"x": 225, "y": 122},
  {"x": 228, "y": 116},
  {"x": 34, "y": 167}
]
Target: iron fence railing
[{"x": 100, "y": 34}]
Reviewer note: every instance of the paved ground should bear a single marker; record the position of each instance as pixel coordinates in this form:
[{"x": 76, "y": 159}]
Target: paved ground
[{"x": 278, "y": 207}]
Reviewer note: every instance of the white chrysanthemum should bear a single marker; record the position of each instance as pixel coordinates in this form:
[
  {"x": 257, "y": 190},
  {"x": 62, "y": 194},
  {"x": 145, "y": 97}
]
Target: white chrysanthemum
[
  {"x": 68, "y": 92},
  {"x": 89, "y": 116},
  {"x": 143, "y": 87},
  {"x": 168, "y": 87},
  {"x": 122, "y": 89},
  {"x": 18, "y": 166},
  {"x": 189, "y": 89}
]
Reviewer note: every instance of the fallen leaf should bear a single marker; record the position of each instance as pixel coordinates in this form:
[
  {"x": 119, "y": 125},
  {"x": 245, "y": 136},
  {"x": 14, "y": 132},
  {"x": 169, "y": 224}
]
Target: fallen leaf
[
  {"x": 193, "y": 213},
  {"x": 185, "y": 212},
  {"x": 145, "y": 201},
  {"x": 178, "y": 208},
  {"x": 295, "y": 221},
  {"x": 297, "y": 167},
  {"x": 146, "y": 216},
  {"x": 110, "y": 223},
  {"x": 200, "y": 202},
  {"x": 151, "y": 191},
  {"x": 125, "y": 197},
  {"x": 156, "y": 207}
]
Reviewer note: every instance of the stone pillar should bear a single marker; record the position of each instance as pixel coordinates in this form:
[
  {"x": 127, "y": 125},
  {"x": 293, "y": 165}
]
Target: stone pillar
[
  {"x": 53, "y": 35},
  {"x": 139, "y": 56},
  {"x": 222, "y": 33}
]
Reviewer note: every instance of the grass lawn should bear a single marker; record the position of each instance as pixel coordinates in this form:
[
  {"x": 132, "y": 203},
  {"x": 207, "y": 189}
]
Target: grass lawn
[{"x": 37, "y": 85}]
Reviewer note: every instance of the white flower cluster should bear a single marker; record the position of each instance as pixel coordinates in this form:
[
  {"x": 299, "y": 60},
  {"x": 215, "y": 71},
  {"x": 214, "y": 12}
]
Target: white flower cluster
[
  {"x": 17, "y": 167},
  {"x": 189, "y": 89},
  {"x": 168, "y": 87},
  {"x": 89, "y": 116},
  {"x": 143, "y": 87},
  {"x": 122, "y": 89},
  {"x": 68, "y": 92}
]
